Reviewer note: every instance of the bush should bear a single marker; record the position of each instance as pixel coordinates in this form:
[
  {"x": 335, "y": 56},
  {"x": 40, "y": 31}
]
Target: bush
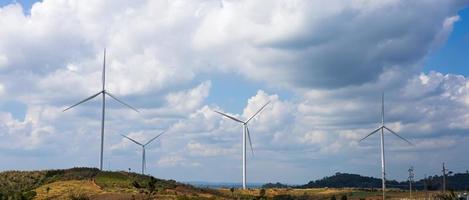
[
  {"x": 79, "y": 196},
  {"x": 283, "y": 197},
  {"x": 262, "y": 192}
]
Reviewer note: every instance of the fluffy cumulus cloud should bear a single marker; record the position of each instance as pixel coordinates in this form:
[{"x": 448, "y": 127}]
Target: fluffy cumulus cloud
[
  {"x": 313, "y": 44},
  {"x": 322, "y": 66}
]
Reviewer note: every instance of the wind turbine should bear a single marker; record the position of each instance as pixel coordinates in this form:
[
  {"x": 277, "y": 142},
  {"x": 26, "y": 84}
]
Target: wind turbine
[
  {"x": 245, "y": 131},
  {"x": 144, "y": 160},
  {"x": 382, "y": 128},
  {"x": 104, "y": 93}
]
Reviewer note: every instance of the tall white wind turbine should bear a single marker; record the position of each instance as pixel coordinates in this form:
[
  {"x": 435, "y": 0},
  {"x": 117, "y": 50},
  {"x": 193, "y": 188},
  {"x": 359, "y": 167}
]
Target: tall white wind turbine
[
  {"x": 382, "y": 128},
  {"x": 144, "y": 160},
  {"x": 245, "y": 131},
  {"x": 104, "y": 93}
]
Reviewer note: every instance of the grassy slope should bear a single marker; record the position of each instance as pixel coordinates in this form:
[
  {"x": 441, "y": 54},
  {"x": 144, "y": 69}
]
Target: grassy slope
[
  {"x": 66, "y": 189},
  {"x": 94, "y": 184}
]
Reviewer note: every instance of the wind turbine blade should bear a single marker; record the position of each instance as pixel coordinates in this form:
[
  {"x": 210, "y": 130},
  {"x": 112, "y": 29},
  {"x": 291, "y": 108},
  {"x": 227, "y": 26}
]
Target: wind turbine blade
[
  {"x": 115, "y": 98},
  {"x": 83, "y": 101},
  {"x": 132, "y": 140},
  {"x": 258, "y": 111},
  {"x": 155, "y": 138},
  {"x": 231, "y": 117},
  {"x": 249, "y": 137},
  {"x": 382, "y": 109},
  {"x": 104, "y": 69},
  {"x": 398, "y": 135},
  {"x": 372, "y": 133}
]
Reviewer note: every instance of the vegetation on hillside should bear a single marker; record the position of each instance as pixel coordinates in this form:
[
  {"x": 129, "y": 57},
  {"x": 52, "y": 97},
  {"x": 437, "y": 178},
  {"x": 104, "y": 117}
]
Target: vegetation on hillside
[
  {"x": 458, "y": 181},
  {"x": 275, "y": 185},
  {"x": 90, "y": 183}
]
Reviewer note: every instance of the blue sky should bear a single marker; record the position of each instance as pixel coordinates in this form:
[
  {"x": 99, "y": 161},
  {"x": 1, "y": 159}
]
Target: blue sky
[
  {"x": 323, "y": 69},
  {"x": 452, "y": 56}
]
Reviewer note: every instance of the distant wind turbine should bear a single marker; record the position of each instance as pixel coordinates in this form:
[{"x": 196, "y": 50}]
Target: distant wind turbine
[
  {"x": 104, "y": 93},
  {"x": 245, "y": 131},
  {"x": 381, "y": 128},
  {"x": 144, "y": 160}
]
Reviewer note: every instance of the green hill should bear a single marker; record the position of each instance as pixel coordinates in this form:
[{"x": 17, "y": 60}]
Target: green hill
[
  {"x": 90, "y": 183},
  {"x": 458, "y": 182}
]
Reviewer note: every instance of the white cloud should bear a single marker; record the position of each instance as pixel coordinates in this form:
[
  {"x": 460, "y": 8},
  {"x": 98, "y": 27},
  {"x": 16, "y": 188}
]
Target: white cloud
[
  {"x": 297, "y": 43},
  {"x": 314, "y": 137},
  {"x": 189, "y": 100},
  {"x": 172, "y": 161},
  {"x": 3, "y": 61},
  {"x": 199, "y": 149},
  {"x": 333, "y": 60},
  {"x": 2, "y": 89},
  {"x": 29, "y": 134}
]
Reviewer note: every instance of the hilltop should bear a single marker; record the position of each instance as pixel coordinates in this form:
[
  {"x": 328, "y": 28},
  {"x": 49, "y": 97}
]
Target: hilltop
[
  {"x": 457, "y": 181},
  {"x": 91, "y": 183}
]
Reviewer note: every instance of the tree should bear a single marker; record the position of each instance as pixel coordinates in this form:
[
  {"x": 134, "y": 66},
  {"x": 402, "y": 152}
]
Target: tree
[
  {"x": 262, "y": 192},
  {"x": 232, "y": 191},
  {"x": 152, "y": 185},
  {"x": 333, "y": 197},
  {"x": 344, "y": 197}
]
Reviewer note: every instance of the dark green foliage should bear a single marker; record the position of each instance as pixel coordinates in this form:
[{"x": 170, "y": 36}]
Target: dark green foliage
[
  {"x": 18, "y": 195},
  {"x": 341, "y": 180},
  {"x": 262, "y": 193},
  {"x": 77, "y": 173},
  {"x": 275, "y": 185},
  {"x": 136, "y": 184},
  {"x": 457, "y": 181},
  {"x": 344, "y": 197},
  {"x": 151, "y": 186},
  {"x": 21, "y": 185},
  {"x": 333, "y": 198},
  {"x": 283, "y": 197}
]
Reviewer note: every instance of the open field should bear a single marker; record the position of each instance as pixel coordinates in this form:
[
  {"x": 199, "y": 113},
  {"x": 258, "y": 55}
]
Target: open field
[
  {"x": 325, "y": 194},
  {"x": 90, "y": 183}
]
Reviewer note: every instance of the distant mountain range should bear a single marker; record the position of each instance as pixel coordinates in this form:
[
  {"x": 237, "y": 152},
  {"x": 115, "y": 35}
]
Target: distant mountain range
[{"x": 458, "y": 181}]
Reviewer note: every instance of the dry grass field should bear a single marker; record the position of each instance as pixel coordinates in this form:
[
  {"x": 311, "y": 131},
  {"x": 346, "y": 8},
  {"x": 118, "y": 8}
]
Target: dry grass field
[
  {"x": 325, "y": 194},
  {"x": 67, "y": 189}
]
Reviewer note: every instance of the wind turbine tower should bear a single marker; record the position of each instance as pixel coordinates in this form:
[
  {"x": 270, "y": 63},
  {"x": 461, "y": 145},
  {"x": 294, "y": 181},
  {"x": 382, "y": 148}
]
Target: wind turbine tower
[
  {"x": 381, "y": 129},
  {"x": 245, "y": 133},
  {"x": 103, "y": 92},
  {"x": 144, "y": 160}
]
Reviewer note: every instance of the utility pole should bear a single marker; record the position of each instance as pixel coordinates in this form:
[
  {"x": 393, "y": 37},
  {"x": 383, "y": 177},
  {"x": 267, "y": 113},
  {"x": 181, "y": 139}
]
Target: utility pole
[
  {"x": 444, "y": 178},
  {"x": 411, "y": 177},
  {"x": 425, "y": 187}
]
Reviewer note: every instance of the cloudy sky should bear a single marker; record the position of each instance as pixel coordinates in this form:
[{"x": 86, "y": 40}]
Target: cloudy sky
[{"x": 322, "y": 65}]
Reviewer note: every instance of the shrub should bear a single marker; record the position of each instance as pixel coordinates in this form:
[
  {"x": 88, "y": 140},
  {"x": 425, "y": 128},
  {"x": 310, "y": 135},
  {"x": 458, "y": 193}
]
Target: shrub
[
  {"x": 283, "y": 197},
  {"x": 79, "y": 196},
  {"x": 262, "y": 192}
]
